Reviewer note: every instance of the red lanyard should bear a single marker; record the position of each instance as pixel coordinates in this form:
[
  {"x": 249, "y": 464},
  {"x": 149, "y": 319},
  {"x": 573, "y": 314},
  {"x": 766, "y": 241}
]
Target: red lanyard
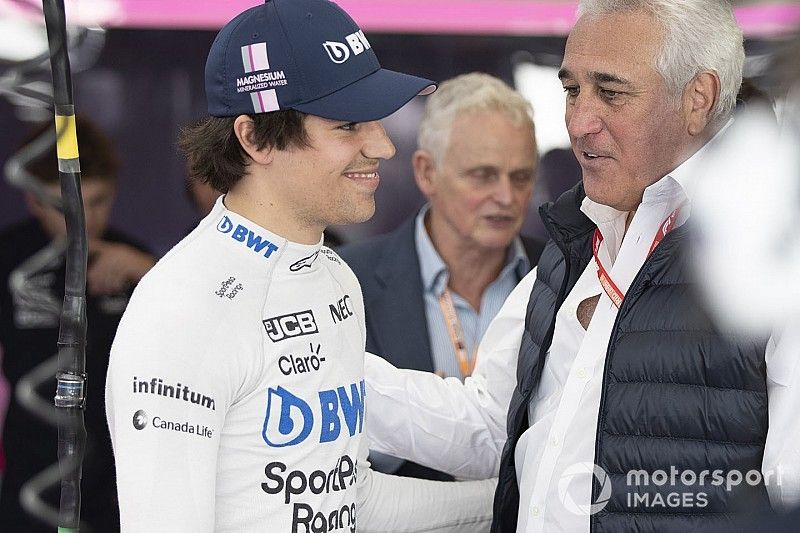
[
  {"x": 465, "y": 362},
  {"x": 606, "y": 282}
]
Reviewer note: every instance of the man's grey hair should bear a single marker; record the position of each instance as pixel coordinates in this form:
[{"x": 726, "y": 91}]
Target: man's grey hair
[
  {"x": 473, "y": 92},
  {"x": 699, "y": 35}
]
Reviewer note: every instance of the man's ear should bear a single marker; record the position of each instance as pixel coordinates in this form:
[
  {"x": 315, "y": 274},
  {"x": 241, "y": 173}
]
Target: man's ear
[
  {"x": 244, "y": 128},
  {"x": 702, "y": 99},
  {"x": 424, "y": 170}
]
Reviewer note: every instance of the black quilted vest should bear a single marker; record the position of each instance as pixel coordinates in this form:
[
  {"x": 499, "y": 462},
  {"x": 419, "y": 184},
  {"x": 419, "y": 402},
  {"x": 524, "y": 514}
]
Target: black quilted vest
[{"x": 675, "y": 392}]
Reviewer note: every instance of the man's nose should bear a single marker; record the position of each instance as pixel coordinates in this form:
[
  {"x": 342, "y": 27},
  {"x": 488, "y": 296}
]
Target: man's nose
[
  {"x": 377, "y": 144},
  {"x": 583, "y": 117},
  {"x": 503, "y": 191}
]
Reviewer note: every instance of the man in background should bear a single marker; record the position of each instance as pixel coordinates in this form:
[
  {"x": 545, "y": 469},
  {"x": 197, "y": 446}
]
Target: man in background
[
  {"x": 31, "y": 295},
  {"x": 432, "y": 286}
]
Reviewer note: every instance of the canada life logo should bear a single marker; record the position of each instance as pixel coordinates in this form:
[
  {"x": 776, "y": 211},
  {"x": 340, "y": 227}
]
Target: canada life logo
[
  {"x": 340, "y": 52},
  {"x": 243, "y": 234},
  {"x": 290, "y": 420}
]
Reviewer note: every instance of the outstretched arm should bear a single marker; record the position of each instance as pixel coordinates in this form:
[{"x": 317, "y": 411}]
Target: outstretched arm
[
  {"x": 458, "y": 428},
  {"x": 394, "y": 504}
]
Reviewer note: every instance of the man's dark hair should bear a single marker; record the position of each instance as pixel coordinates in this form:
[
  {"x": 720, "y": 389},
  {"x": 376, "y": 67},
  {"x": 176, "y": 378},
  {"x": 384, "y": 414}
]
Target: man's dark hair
[
  {"x": 215, "y": 156},
  {"x": 96, "y": 151}
]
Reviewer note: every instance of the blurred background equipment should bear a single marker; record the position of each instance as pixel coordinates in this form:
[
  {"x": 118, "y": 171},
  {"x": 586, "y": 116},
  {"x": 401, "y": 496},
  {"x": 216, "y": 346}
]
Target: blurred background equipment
[{"x": 748, "y": 211}]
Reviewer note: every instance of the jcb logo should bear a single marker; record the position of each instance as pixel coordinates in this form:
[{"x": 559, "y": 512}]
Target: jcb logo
[
  {"x": 288, "y": 326},
  {"x": 339, "y": 52}
]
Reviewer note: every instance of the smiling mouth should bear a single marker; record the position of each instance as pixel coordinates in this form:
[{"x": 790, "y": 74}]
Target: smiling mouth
[{"x": 361, "y": 175}]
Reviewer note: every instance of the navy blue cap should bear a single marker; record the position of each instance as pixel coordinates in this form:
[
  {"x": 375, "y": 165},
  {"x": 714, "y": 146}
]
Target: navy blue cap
[{"x": 307, "y": 55}]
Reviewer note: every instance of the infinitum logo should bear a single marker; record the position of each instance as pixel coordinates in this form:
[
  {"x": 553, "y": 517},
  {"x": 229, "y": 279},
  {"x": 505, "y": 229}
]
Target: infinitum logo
[
  {"x": 581, "y": 470},
  {"x": 173, "y": 390}
]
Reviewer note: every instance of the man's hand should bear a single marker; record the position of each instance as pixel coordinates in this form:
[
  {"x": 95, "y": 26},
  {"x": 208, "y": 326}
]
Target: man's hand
[{"x": 114, "y": 267}]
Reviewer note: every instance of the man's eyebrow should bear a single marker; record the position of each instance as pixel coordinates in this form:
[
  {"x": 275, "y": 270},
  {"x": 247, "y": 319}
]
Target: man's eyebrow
[
  {"x": 597, "y": 77},
  {"x": 604, "y": 77}
]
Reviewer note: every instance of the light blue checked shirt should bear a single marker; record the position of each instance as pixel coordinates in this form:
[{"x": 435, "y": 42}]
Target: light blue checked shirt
[{"x": 473, "y": 323}]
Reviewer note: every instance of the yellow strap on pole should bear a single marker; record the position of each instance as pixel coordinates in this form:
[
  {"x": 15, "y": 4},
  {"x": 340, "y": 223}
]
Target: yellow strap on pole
[{"x": 66, "y": 137}]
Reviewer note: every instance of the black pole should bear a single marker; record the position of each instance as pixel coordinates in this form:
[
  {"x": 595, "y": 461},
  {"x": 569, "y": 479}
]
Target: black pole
[{"x": 70, "y": 396}]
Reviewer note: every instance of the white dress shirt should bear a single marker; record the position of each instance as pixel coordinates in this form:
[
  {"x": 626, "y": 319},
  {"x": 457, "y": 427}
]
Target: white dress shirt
[{"x": 462, "y": 429}]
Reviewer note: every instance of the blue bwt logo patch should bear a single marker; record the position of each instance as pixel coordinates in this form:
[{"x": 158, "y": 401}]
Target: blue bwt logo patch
[
  {"x": 225, "y": 225},
  {"x": 290, "y": 420},
  {"x": 243, "y": 234}
]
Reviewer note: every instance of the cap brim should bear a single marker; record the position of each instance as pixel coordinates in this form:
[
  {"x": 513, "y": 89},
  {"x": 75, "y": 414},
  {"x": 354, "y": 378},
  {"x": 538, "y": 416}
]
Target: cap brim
[{"x": 373, "y": 97}]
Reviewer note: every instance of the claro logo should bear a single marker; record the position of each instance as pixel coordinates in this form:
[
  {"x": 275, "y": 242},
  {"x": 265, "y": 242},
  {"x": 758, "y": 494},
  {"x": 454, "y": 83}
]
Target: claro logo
[
  {"x": 291, "y": 420},
  {"x": 243, "y": 234}
]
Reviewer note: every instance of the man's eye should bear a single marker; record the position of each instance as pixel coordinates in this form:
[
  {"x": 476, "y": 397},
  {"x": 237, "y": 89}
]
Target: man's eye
[
  {"x": 350, "y": 126},
  {"x": 571, "y": 91},
  {"x": 523, "y": 177},
  {"x": 609, "y": 94},
  {"x": 481, "y": 174}
]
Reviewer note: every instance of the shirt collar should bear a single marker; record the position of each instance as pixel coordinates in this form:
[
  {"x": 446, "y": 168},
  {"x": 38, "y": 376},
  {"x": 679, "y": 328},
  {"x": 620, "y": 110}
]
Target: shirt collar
[
  {"x": 433, "y": 269},
  {"x": 679, "y": 182},
  {"x": 254, "y": 243}
]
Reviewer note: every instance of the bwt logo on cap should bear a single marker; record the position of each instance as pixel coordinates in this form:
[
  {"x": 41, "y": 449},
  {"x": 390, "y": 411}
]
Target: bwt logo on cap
[{"x": 339, "y": 52}]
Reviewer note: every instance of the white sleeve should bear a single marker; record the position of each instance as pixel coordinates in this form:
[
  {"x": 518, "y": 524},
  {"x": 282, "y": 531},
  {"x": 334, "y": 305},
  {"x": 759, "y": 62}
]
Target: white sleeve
[
  {"x": 781, "y": 464},
  {"x": 394, "y": 504},
  {"x": 166, "y": 398},
  {"x": 458, "y": 428}
]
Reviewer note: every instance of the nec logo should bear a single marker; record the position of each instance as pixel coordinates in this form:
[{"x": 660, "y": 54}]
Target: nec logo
[
  {"x": 243, "y": 234},
  {"x": 342, "y": 309},
  {"x": 287, "y": 326},
  {"x": 339, "y": 52}
]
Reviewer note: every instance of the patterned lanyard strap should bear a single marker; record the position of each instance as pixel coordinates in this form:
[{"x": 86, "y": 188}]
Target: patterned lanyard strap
[
  {"x": 465, "y": 362},
  {"x": 611, "y": 288}
]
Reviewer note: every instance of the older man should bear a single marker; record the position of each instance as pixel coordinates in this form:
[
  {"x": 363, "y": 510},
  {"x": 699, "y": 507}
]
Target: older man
[{"x": 602, "y": 394}]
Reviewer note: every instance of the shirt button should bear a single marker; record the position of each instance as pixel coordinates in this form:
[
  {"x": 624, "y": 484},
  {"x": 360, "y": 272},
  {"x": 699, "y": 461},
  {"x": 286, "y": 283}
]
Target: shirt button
[
  {"x": 554, "y": 441},
  {"x": 535, "y": 511},
  {"x": 582, "y": 373}
]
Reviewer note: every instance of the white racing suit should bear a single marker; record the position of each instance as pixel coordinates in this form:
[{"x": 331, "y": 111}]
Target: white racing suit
[{"x": 235, "y": 398}]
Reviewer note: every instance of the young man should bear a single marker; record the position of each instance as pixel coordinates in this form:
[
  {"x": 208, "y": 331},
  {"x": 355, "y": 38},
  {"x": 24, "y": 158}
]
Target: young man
[{"x": 236, "y": 395}]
